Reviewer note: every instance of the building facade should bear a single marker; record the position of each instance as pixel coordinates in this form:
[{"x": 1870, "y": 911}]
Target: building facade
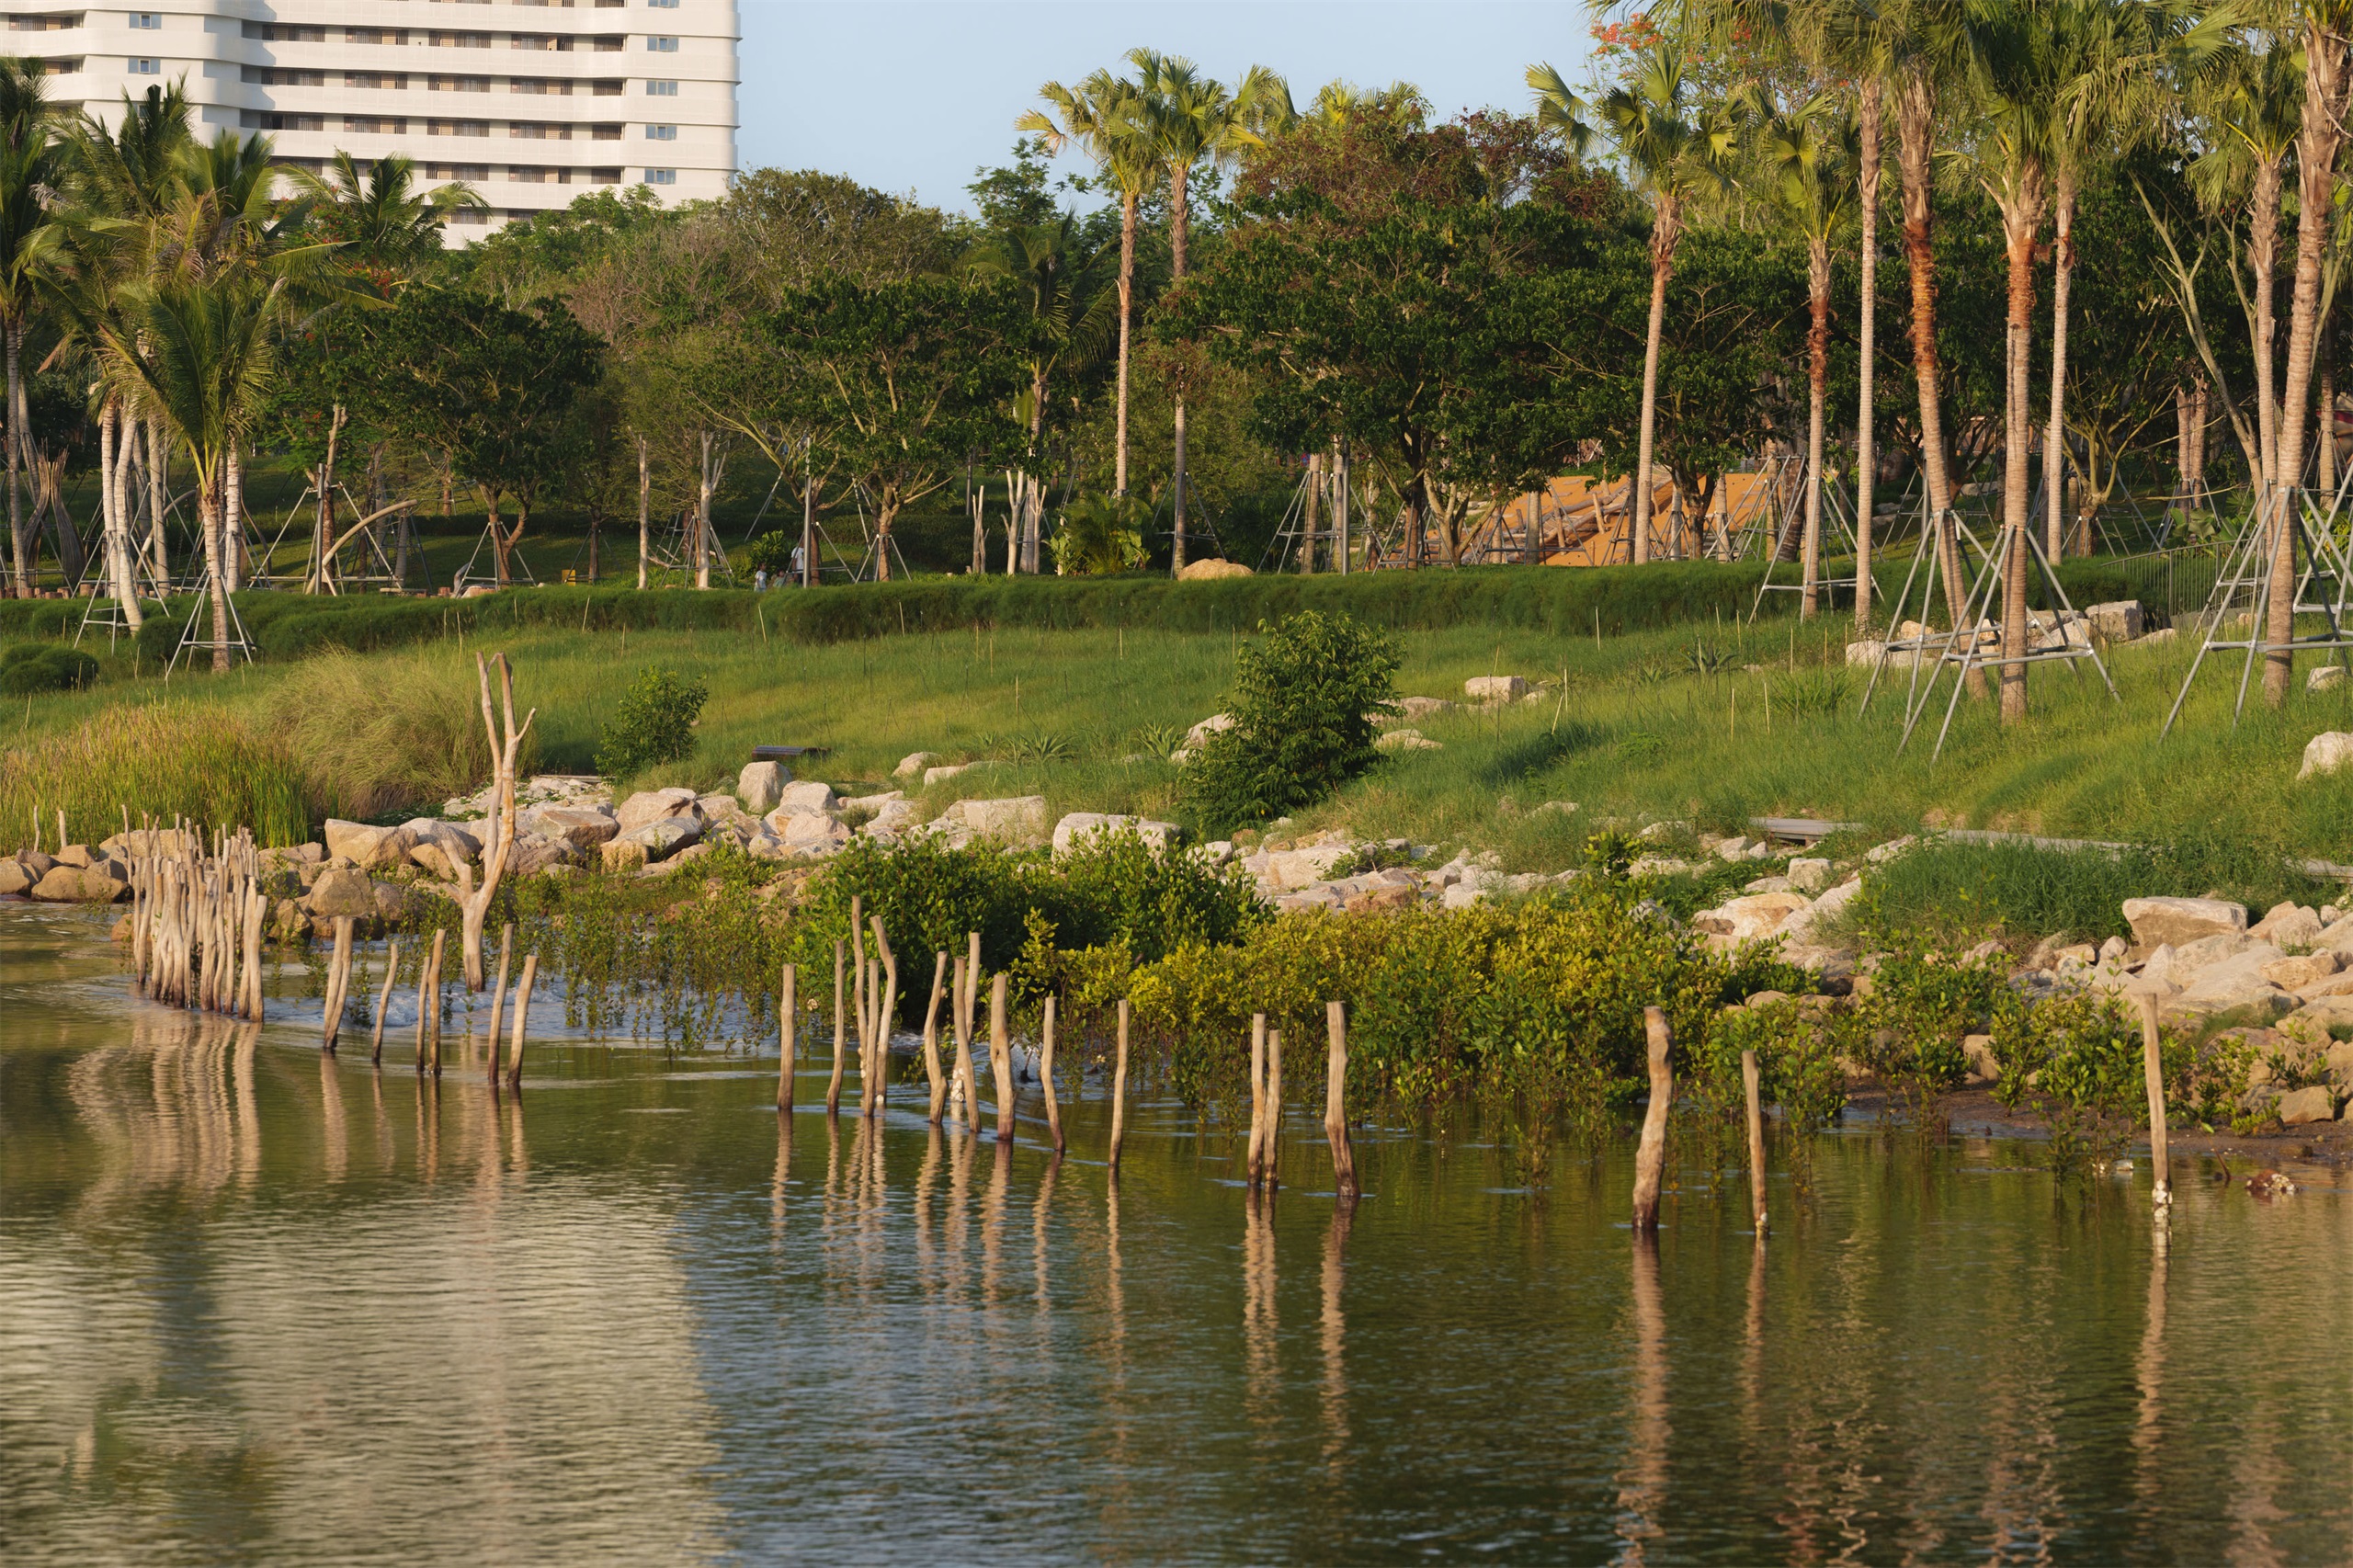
[{"x": 531, "y": 102}]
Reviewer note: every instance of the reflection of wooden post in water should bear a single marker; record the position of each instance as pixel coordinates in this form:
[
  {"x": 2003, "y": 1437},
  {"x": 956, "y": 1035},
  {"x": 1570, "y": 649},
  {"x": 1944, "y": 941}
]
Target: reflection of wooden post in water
[
  {"x": 1643, "y": 1486},
  {"x": 1041, "y": 1213},
  {"x": 338, "y": 980},
  {"x": 886, "y": 1011},
  {"x": 1256, "y": 1165},
  {"x": 1748, "y": 1076},
  {"x": 841, "y": 1022},
  {"x": 336, "y": 1139},
  {"x": 2148, "y": 1367},
  {"x": 783, "y": 1154},
  {"x": 861, "y": 1005},
  {"x": 384, "y": 1003},
  {"x": 1001, "y": 1060},
  {"x": 931, "y": 1073},
  {"x": 1335, "y": 1101},
  {"x": 1046, "y": 1077},
  {"x": 431, "y": 1002},
  {"x": 522, "y": 1012},
  {"x": 1336, "y": 1385},
  {"x": 1119, "y": 1098},
  {"x": 787, "y": 1015},
  {"x": 962, "y": 1093},
  {"x": 498, "y": 1000},
  {"x": 1259, "y": 1303},
  {"x": 1274, "y": 1104},
  {"x": 2153, "y": 1067},
  {"x": 1650, "y": 1156},
  {"x": 993, "y": 1222},
  {"x": 926, "y": 1181}
]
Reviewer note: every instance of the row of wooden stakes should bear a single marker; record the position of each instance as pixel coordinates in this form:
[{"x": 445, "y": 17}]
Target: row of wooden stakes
[
  {"x": 429, "y": 1001},
  {"x": 196, "y": 920},
  {"x": 866, "y": 990}
]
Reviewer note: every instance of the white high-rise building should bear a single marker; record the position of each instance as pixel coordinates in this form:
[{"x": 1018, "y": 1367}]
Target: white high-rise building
[{"x": 530, "y": 101}]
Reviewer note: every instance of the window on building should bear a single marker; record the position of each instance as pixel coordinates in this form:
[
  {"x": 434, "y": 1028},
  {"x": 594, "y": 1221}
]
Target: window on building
[
  {"x": 537, "y": 130},
  {"x": 461, "y": 41},
  {"x": 145, "y": 65},
  {"x": 659, "y": 44},
  {"x": 456, "y": 128},
  {"x": 375, "y": 125},
  {"x": 661, "y": 177},
  {"x": 605, "y": 133},
  {"x": 661, "y": 89},
  {"x": 664, "y": 5},
  {"x": 281, "y": 76},
  {"x": 603, "y": 176},
  {"x": 273, "y": 120},
  {"x": 554, "y": 43},
  {"x": 147, "y": 21},
  {"x": 394, "y": 81},
  {"x": 56, "y": 22},
  {"x": 375, "y": 35},
  {"x": 661, "y": 133},
  {"x": 284, "y": 32},
  {"x": 606, "y": 89},
  {"x": 457, "y": 83},
  {"x": 608, "y": 43},
  {"x": 456, "y": 171}
]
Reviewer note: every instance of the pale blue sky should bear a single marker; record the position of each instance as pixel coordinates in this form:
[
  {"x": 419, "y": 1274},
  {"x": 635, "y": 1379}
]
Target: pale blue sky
[{"x": 913, "y": 94}]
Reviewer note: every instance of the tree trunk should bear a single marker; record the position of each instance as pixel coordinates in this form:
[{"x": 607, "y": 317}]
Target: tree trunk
[
  {"x": 1127, "y": 311},
  {"x": 1638, "y": 508},
  {"x": 2317, "y": 147},
  {"x": 702, "y": 516},
  {"x": 2054, "y": 436},
  {"x": 595, "y": 538},
  {"x": 886, "y": 512},
  {"x": 232, "y": 517},
  {"x": 1178, "y": 177},
  {"x": 207, "y": 517},
  {"x": 20, "y": 548},
  {"x": 1817, "y": 354},
  {"x": 159, "y": 495},
  {"x": 645, "y": 516},
  {"x": 113, "y": 452},
  {"x": 1915, "y": 112},
  {"x": 2021, "y": 218},
  {"x": 1866, "y": 450},
  {"x": 323, "y": 564},
  {"x": 497, "y": 535},
  {"x": 2263, "y": 260}
]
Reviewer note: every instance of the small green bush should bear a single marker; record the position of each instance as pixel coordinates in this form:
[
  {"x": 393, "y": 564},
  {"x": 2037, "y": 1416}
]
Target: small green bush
[
  {"x": 655, "y": 722},
  {"x": 771, "y": 553},
  {"x": 2077, "y": 1060},
  {"x": 29, "y": 667},
  {"x": 1305, "y": 694},
  {"x": 1100, "y": 535},
  {"x": 1908, "y": 1031}
]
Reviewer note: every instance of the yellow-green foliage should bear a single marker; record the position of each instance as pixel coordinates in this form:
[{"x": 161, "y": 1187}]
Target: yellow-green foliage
[
  {"x": 387, "y": 731},
  {"x": 187, "y": 759}
]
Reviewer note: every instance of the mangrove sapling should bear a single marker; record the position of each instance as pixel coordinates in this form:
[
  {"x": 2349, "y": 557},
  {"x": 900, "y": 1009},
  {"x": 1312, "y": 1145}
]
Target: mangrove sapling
[
  {"x": 1911, "y": 1027},
  {"x": 2077, "y": 1062}
]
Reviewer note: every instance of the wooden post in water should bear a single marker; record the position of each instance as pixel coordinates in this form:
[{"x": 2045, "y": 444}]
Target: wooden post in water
[
  {"x": 785, "y": 1020},
  {"x": 1255, "y": 1164},
  {"x": 961, "y": 1020},
  {"x": 1336, "y": 1101},
  {"x": 1001, "y": 1060},
  {"x": 433, "y": 1002},
  {"x": 338, "y": 980},
  {"x": 522, "y": 1015},
  {"x": 2153, "y": 1067},
  {"x": 498, "y": 996},
  {"x": 384, "y": 1003},
  {"x": 1273, "y": 1107},
  {"x": 1650, "y": 1156},
  {"x": 861, "y": 998},
  {"x": 932, "y": 1074},
  {"x": 841, "y": 1006},
  {"x": 1748, "y": 1081},
  {"x": 1046, "y": 1077},
  {"x": 257, "y": 907},
  {"x": 1119, "y": 1091},
  {"x": 885, "y": 1012}
]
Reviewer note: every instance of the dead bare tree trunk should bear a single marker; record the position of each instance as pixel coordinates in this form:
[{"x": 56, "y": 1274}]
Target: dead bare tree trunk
[{"x": 503, "y": 749}]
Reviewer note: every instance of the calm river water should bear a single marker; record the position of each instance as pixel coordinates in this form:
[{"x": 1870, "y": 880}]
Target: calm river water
[{"x": 260, "y": 1305}]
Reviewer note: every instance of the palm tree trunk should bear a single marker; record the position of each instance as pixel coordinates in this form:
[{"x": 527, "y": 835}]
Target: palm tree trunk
[
  {"x": 1663, "y": 238},
  {"x": 2263, "y": 260},
  {"x": 21, "y": 553},
  {"x": 702, "y": 525},
  {"x": 232, "y": 518},
  {"x": 2054, "y": 436},
  {"x": 113, "y": 454},
  {"x": 1126, "y": 314},
  {"x": 207, "y": 519},
  {"x": 2021, "y": 218},
  {"x": 1817, "y": 348},
  {"x": 159, "y": 494},
  {"x": 644, "y": 515},
  {"x": 1916, "y": 113},
  {"x": 497, "y": 535},
  {"x": 1866, "y": 453},
  {"x": 2317, "y": 147},
  {"x": 1177, "y": 215}
]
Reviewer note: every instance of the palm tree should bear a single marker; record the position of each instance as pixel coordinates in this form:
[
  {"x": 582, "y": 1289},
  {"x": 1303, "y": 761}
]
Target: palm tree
[
  {"x": 1808, "y": 158},
  {"x": 1673, "y": 160},
  {"x": 2327, "y": 30},
  {"x": 388, "y": 228},
  {"x": 31, "y": 168},
  {"x": 1069, "y": 300},
  {"x": 1189, "y": 120},
  {"x": 1101, "y": 117}
]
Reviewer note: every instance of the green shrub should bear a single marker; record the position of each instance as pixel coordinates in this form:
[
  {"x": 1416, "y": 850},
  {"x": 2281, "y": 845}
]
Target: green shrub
[
  {"x": 29, "y": 667},
  {"x": 2077, "y": 1061},
  {"x": 1100, "y": 535},
  {"x": 655, "y": 722},
  {"x": 1304, "y": 699},
  {"x": 1908, "y": 1031},
  {"x": 771, "y": 553}
]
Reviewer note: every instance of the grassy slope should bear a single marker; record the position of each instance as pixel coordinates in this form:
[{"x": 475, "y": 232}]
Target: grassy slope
[{"x": 1633, "y": 736}]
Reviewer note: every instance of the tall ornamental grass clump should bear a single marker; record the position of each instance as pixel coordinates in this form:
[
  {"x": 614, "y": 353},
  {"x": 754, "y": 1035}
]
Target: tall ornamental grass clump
[
  {"x": 385, "y": 734},
  {"x": 192, "y": 760}
]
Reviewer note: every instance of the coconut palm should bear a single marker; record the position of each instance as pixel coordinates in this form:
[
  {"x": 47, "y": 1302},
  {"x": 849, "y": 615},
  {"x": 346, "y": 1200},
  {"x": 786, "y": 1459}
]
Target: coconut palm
[
  {"x": 1672, "y": 157},
  {"x": 1808, "y": 159},
  {"x": 32, "y": 169},
  {"x": 1101, "y": 117},
  {"x": 388, "y": 229},
  {"x": 1190, "y": 119}
]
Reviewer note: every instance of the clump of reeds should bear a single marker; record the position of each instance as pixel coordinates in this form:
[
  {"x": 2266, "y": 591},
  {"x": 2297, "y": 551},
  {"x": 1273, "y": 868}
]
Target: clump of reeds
[
  {"x": 192, "y": 760},
  {"x": 384, "y": 732}
]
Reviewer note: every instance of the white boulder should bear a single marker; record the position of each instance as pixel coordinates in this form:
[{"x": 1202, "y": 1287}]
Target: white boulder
[
  {"x": 2181, "y": 921},
  {"x": 1017, "y": 820},
  {"x": 2326, "y": 677},
  {"x": 2326, "y": 753},
  {"x": 912, "y": 765},
  {"x": 1406, "y": 740},
  {"x": 760, "y": 785},
  {"x": 1494, "y": 689},
  {"x": 2118, "y": 621},
  {"x": 1078, "y": 825},
  {"x": 653, "y": 805},
  {"x": 367, "y": 847},
  {"x": 1750, "y": 918}
]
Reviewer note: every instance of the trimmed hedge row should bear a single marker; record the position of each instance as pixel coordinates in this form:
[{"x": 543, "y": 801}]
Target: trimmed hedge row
[{"x": 1562, "y": 602}]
